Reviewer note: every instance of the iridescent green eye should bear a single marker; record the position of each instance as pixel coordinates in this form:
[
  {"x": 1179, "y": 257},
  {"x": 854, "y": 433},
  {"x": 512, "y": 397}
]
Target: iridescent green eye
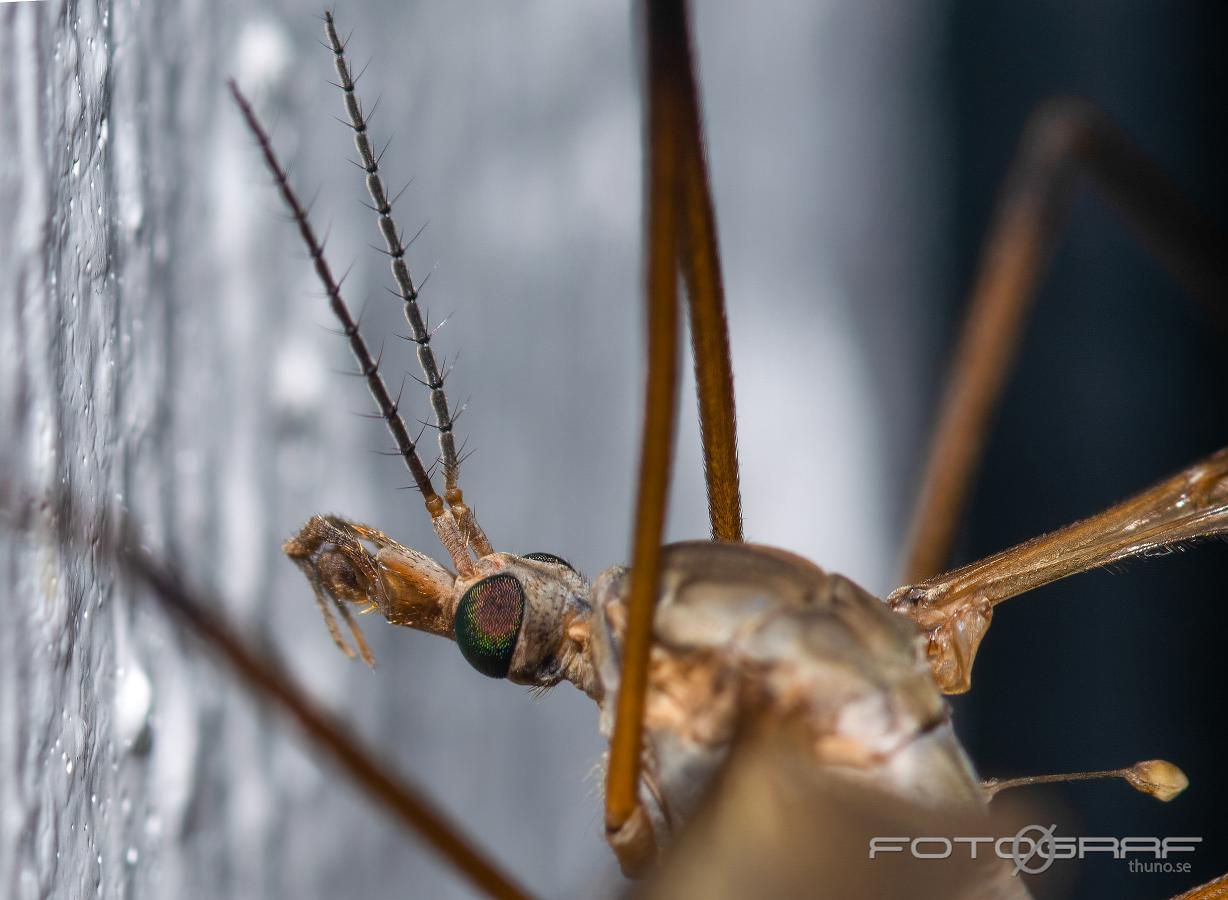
[
  {"x": 549, "y": 558},
  {"x": 488, "y": 623}
]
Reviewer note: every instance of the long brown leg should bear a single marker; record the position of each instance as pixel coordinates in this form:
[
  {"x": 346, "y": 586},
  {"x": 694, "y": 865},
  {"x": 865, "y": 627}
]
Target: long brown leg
[
  {"x": 1215, "y": 889},
  {"x": 666, "y": 23},
  {"x": 701, "y": 269},
  {"x": 1064, "y": 139},
  {"x": 954, "y": 609}
]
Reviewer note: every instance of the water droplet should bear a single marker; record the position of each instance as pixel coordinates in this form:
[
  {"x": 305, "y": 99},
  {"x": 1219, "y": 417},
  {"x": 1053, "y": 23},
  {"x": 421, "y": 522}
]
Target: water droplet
[
  {"x": 264, "y": 54},
  {"x": 298, "y": 380},
  {"x": 132, "y": 856},
  {"x": 133, "y": 698}
]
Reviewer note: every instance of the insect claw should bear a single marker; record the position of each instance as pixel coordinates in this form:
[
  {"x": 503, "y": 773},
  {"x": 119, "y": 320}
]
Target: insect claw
[
  {"x": 330, "y": 621},
  {"x": 363, "y": 650}
]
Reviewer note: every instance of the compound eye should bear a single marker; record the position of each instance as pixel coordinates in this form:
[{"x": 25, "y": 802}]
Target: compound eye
[
  {"x": 550, "y": 558},
  {"x": 488, "y": 623}
]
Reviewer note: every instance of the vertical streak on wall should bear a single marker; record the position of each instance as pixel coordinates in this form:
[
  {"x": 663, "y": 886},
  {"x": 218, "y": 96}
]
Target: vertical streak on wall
[{"x": 113, "y": 783}]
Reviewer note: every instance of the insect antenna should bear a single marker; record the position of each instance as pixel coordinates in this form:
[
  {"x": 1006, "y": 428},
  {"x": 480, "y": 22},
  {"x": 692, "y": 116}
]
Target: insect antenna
[
  {"x": 419, "y": 333},
  {"x": 449, "y": 535}
]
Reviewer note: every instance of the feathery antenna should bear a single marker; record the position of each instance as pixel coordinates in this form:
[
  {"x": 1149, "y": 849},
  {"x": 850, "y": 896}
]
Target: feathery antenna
[{"x": 419, "y": 332}]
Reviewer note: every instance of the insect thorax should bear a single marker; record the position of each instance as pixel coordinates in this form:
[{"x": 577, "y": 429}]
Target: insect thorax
[{"x": 745, "y": 631}]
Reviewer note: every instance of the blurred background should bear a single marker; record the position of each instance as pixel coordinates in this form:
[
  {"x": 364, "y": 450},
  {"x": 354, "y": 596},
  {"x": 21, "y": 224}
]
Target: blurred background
[{"x": 166, "y": 349}]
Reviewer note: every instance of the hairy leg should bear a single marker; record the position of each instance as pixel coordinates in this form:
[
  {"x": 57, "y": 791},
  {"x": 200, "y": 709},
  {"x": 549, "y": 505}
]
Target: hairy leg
[
  {"x": 701, "y": 270},
  {"x": 626, "y": 823},
  {"x": 954, "y": 609}
]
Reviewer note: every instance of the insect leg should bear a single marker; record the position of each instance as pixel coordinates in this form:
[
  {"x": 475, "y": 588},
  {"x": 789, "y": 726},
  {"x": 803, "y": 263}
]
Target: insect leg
[
  {"x": 626, "y": 822},
  {"x": 1215, "y": 889},
  {"x": 197, "y": 613},
  {"x": 1064, "y": 139},
  {"x": 954, "y": 609},
  {"x": 304, "y": 549},
  {"x": 701, "y": 271}
]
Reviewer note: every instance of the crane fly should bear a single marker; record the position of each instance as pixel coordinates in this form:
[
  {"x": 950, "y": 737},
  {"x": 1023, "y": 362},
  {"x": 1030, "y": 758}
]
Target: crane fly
[
  {"x": 692, "y": 640},
  {"x": 677, "y": 647}
]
